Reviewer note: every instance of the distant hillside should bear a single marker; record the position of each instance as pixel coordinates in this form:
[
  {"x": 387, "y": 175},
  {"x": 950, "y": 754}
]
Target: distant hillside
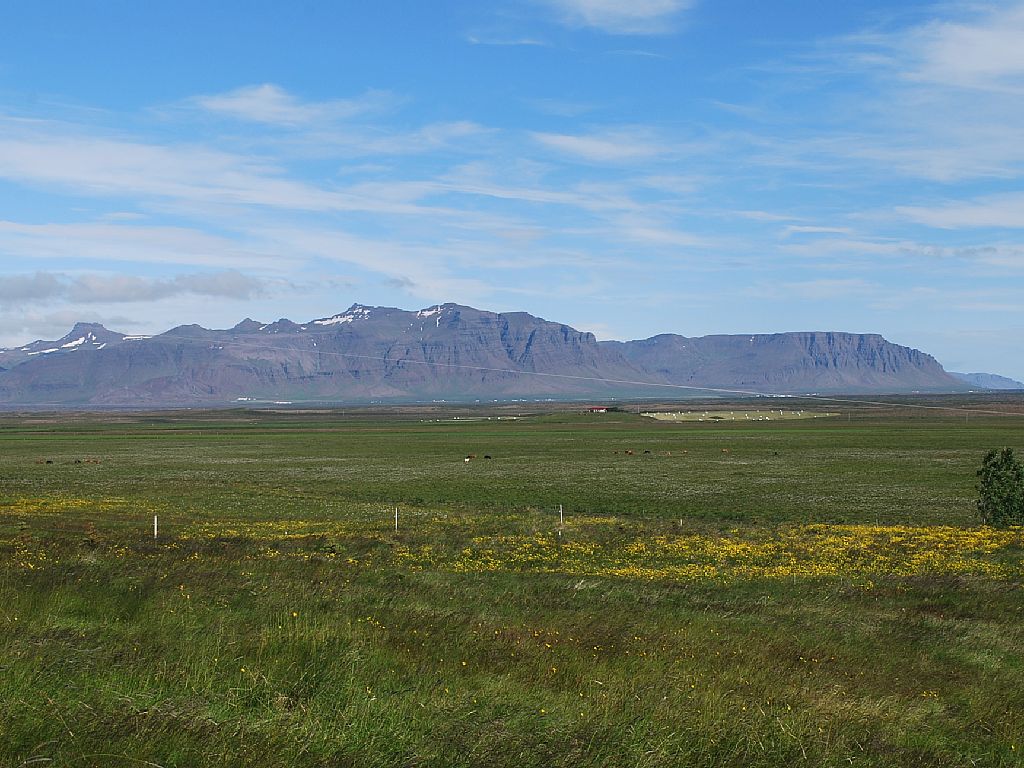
[
  {"x": 790, "y": 362},
  {"x": 445, "y": 352},
  {"x": 987, "y": 381}
]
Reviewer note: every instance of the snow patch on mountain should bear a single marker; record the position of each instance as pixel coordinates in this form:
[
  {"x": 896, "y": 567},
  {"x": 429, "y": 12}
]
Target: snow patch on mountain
[
  {"x": 350, "y": 315},
  {"x": 78, "y": 342}
]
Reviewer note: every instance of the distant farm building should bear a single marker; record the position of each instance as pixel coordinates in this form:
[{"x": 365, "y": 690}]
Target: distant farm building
[{"x": 598, "y": 409}]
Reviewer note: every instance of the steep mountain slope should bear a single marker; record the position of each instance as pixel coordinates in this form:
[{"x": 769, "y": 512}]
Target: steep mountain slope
[{"x": 444, "y": 352}]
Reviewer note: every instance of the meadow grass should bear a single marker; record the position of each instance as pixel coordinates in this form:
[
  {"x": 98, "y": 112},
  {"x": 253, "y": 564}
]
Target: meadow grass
[{"x": 810, "y": 592}]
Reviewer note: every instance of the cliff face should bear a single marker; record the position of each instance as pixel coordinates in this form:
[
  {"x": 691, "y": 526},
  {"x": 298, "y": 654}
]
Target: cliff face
[
  {"x": 791, "y": 363},
  {"x": 445, "y": 352}
]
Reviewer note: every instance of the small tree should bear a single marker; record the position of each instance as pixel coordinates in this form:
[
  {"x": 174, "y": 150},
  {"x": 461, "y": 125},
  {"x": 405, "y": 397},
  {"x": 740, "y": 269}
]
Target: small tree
[{"x": 1001, "y": 489}]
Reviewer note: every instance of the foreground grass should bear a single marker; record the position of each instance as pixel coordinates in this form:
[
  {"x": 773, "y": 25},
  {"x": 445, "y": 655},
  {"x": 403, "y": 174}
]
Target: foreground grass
[{"x": 280, "y": 619}]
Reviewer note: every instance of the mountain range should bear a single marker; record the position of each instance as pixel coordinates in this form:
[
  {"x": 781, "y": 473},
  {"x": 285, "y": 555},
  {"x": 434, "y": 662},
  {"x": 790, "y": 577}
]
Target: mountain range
[{"x": 445, "y": 352}]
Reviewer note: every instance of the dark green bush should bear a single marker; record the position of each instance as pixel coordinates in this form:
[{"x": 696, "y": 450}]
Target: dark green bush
[{"x": 1001, "y": 489}]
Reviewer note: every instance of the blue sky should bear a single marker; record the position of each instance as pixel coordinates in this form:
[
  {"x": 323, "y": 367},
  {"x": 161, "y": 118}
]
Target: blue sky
[{"x": 627, "y": 168}]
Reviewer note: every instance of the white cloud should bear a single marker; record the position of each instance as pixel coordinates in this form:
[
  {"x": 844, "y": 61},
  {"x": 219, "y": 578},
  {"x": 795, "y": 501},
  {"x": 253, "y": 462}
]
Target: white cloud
[
  {"x": 105, "y": 288},
  {"x": 609, "y": 146},
  {"x": 640, "y": 228},
  {"x": 637, "y": 52},
  {"x": 99, "y": 242},
  {"x": 983, "y": 52},
  {"x": 561, "y": 107},
  {"x": 505, "y": 41},
  {"x": 424, "y": 269},
  {"x": 106, "y": 167},
  {"x": 617, "y": 17},
  {"x": 1001, "y": 256},
  {"x": 271, "y": 104},
  {"x": 807, "y": 229},
  {"x": 675, "y": 184},
  {"x": 938, "y": 101},
  {"x": 1005, "y": 211},
  {"x": 814, "y": 290},
  {"x": 766, "y": 216},
  {"x": 484, "y": 180},
  {"x": 23, "y": 289},
  {"x": 988, "y": 306}
]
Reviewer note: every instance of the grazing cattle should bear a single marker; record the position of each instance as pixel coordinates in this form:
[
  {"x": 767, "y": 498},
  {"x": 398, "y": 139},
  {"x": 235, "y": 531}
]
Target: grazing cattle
[
  {"x": 725, "y": 450},
  {"x": 629, "y": 453},
  {"x": 646, "y": 451},
  {"x": 466, "y": 459},
  {"x": 471, "y": 456},
  {"x": 487, "y": 455},
  {"x": 49, "y": 461}
]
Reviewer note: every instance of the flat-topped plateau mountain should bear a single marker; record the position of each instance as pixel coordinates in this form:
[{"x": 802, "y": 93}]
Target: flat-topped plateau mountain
[
  {"x": 445, "y": 352},
  {"x": 988, "y": 381}
]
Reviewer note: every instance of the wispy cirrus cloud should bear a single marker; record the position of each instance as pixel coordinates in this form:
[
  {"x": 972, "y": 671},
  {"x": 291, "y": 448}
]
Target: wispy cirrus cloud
[
  {"x": 109, "y": 167},
  {"x": 613, "y": 145},
  {"x": 271, "y": 104},
  {"x": 248, "y": 210},
  {"x": 1003, "y": 211},
  {"x": 982, "y": 50},
  {"x": 349, "y": 128},
  {"x": 817, "y": 290},
  {"x": 812, "y": 229},
  {"x": 638, "y": 52},
  {"x": 902, "y": 252},
  {"x": 934, "y": 101},
  {"x": 505, "y": 42},
  {"x": 422, "y": 270},
  {"x": 639, "y": 17},
  {"x": 561, "y": 107},
  {"x": 98, "y": 242}
]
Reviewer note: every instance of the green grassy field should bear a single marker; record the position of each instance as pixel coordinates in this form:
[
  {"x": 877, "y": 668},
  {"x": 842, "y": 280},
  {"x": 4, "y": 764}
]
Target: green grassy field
[{"x": 799, "y": 592}]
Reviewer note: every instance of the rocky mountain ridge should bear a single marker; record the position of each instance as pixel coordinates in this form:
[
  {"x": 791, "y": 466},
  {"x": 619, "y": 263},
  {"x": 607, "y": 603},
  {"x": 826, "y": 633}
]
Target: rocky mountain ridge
[{"x": 445, "y": 352}]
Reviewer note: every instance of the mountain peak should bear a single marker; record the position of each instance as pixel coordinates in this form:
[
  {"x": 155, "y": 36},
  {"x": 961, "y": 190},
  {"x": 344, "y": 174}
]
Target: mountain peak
[
  {"x": 81, "y": 327},
  {"x": 247, "y": 326},
  {"x": 88, "y": 333},
  {"x": 353, "y": 313}
]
